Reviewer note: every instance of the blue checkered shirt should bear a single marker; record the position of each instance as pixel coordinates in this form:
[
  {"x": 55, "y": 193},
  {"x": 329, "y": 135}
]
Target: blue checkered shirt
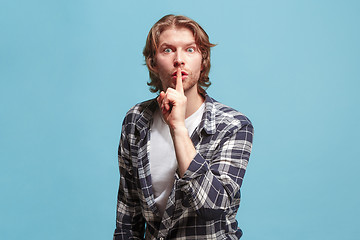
[{"x": 204, "y": 202}]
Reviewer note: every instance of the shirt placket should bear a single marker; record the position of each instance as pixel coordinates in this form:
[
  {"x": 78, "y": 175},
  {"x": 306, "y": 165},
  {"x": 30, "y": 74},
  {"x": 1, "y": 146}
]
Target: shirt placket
[{"x": 167, "y": 221}]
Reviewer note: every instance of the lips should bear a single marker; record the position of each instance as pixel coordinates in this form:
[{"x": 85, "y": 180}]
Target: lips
[{"x": 183, "y": 73}]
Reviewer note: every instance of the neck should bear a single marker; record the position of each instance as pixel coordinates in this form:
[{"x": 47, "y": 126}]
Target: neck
[{"x": 194, "y": 101}]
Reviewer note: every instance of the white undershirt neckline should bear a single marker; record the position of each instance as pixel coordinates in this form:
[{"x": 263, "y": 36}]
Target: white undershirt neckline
[{"x": 163, "y": 163}]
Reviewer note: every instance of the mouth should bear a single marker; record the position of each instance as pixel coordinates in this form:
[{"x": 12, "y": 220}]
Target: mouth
[{"x": 183, "y": 74}]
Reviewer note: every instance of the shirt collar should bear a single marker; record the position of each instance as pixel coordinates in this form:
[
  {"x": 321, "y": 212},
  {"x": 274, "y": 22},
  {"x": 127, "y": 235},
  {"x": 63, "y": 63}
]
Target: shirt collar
[
  {"x": 208, "y": 119},
  {"x": 207, "y": 122}
]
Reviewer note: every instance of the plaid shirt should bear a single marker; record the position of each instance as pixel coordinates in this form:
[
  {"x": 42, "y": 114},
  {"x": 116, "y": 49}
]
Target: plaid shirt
[{"x": 203, "y": 203}]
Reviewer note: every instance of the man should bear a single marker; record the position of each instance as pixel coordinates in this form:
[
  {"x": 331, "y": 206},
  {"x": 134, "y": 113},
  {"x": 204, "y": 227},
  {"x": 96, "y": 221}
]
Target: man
[{"x": 183, "y": 155}]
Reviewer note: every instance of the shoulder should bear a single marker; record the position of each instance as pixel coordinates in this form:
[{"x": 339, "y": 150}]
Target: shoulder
[
  {"x": 140, "y": 110},
  {"x": 226, "y": 117},
  {"x": 227, "y": 113}
]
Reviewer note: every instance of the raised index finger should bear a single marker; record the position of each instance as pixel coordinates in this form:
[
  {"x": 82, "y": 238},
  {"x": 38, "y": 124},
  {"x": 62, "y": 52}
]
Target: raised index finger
[{"x": 179, "y": 84}]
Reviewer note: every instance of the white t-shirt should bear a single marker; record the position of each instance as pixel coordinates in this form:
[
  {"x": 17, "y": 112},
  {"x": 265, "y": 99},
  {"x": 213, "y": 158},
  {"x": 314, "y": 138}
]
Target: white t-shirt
[{"x": 163, "y": 163}]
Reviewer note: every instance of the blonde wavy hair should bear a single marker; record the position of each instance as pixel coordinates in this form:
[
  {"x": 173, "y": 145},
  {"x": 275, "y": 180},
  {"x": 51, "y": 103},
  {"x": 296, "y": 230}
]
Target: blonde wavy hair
[{"x": 201, "y": 40}]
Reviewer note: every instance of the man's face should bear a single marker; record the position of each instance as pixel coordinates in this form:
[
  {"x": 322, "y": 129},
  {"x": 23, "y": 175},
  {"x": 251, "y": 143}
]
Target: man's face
[{"x": 177, "y": 49}]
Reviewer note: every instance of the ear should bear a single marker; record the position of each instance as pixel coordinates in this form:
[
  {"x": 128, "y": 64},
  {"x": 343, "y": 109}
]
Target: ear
[
  {"x": 155, "y": 69},
  {"x": 152, "y": 65}
]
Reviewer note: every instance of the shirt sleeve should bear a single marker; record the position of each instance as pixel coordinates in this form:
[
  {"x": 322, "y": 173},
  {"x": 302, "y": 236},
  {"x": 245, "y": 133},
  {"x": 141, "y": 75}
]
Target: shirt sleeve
[
  {"x": 213, "y": 186},
  {"x": 130, "y": 223}
]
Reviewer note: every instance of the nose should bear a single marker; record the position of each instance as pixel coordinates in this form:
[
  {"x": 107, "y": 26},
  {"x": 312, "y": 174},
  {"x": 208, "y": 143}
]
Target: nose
[{"x": 179, "y": 59}]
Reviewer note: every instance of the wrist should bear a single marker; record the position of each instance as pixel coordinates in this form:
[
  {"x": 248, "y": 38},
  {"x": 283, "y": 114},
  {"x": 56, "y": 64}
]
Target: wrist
[{"x": 180, "y": 130}]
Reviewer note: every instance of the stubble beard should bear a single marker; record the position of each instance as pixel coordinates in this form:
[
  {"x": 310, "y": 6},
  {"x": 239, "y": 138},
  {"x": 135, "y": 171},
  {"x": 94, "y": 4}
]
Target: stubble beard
[{"x": 188, "y": 83}]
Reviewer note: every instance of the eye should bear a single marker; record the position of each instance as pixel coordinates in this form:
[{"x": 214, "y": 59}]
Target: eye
[
  {"x": 167, "y": 50},
  {"x": 190, "y": 49}
]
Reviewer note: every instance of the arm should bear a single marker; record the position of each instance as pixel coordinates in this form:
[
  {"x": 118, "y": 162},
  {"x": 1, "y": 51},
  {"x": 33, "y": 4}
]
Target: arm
[
  {"x": 173, "y": 105},
  {"x": 213, "y": 187},
  {"x": 129, "y": 221}
]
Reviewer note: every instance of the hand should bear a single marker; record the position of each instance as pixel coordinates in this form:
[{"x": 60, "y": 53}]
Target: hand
[
  {"x": 173, "y": 108},
  {"x": 173, "y": 104}
]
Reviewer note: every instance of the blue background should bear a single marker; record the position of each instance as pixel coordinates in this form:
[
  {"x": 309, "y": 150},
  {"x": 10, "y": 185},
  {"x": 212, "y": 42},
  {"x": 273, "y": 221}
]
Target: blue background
[{"x": 70, "y": 70}]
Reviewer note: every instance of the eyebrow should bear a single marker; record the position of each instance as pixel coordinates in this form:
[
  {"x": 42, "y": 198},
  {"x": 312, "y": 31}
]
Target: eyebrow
[{"x": 168, "y": 44}]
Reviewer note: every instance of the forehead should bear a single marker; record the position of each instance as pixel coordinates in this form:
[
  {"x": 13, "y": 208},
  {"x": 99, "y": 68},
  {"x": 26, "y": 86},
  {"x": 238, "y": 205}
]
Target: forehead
[{"x": 176, "y": 35}]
